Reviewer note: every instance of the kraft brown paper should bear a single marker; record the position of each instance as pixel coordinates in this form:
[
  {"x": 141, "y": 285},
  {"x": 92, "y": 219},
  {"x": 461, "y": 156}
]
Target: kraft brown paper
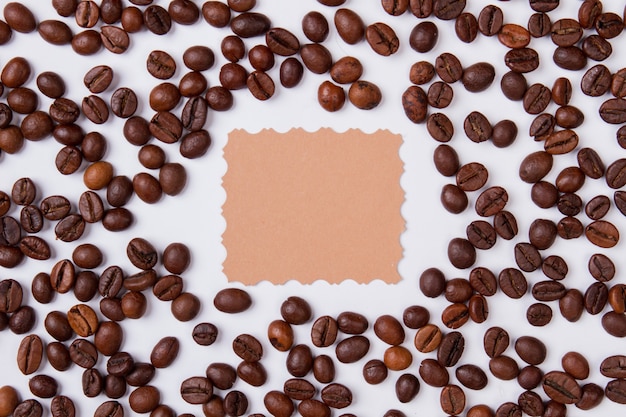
[{"x": 312, "y": 206}]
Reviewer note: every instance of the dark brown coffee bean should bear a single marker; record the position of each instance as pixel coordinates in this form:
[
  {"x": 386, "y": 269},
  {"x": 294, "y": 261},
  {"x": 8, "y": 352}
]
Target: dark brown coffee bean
[
  {"x": 336, "y": 395},
  {"x": 35, "y": 247},
  {"x": 278, "y": 403},
  {"x": 252, "y": 373},
  {"x": 352, "y": 349},
  {"x": 592, "y": 395},
  {"x": 43, "y": 386},
  {"x": 407, "y": 387},
  {"x": 477, "y": 127},
  {"x": 561, "y": 142},
  {"x": 569, "y": 117},
  {"x": 382, "y": 39},
  {"x": 513, "y": 85},
  {"x": 41, "y": 288},
  {"x": 248, "y": 348},
  {"x": 522, "y": 60},
  {"x": 618, "y": 83},
  {"x": 575, "y": 364},
  {"x": 375, "y": 371},
  {"x": 448, "y": 9},
  {"x": 596, "y": 81},
  {"x": 324, "y": 331},
  {"x": 455, "y": 315},
  {"x": 260, "y": 85},
  {"x": 471, "y": 376},
  {"x": 164, "y": 352},
  {"x": 168, "y": 287},
  {"x": 451, "y": 349},
  {"x": 569, "y": 58},
  {"x": 196, "y": 390},
  {"x": 514, "y": 36},
  {"x": 491, "y": 201},
  {"x": 19, "y": 17},
  {"x": 88, "y": 42},
  {"x": 433, "y": 373},
  {"x": 58, "y": 356},
  {"x": 566, "y": 32},
  {"x": 114, "y": 39},
  {"x": 312, "y": 408},
  {"x": 512, "y": 282},
  {"x": 415, "y": 104},
  {"x": 83, "y": 353},
  {"x": 423, "y": 37},
  {"x": 504, "y": 367},
  {"x": 478, "y": 77},
  {"x": 466, "y": 27},
  {"x": 421, "y": 72},
  {"x": 57, "y": 325},
  {"x": 157, "y": 20},
  {"x": 530, "y": 349},
  {"x": 536, "y": 98},
  {"x": 561, "y": 387},
  {"x": 483, "y": 281},
  {"x": 323, "y": 369},
  {"x": 616, "y": 173},
  {"x": 538, "y": 314},
  {"x": 232, "y": 300},
  {"x": 613, "y": 111},
  {"x": 505, "y": 224},
  {"x": 123, "y": 102},
  {"x": 535, "y": 166},
  {"x": 495, "y": 341},
  {"x": 448, "y": 67},
  {"x": 614, "y": 324},
  {"x": 98, "y": 78},
  {"x": 83, "y": 320},
  {"x": 440, "y": 95},
  {"x": 602, "y": 233},
  {"x": 596, "y": 297},
  {"x": 571, "y": 305},
  {"x": 597, "y": 48},
  {"x": 541, "y": 233},
  {"x": 471, "y": 176},
  {"x": 184, "y": 12},
  {"x": 452, "y": 399},
  {"x": 490, "y": 20},
  {"x": 95, "y": 109},
  {"x": 609, "y": 25},
  {"x": 428, "y": 338},
  {"x": 299, "y": 361},
  {"x": 389, "y": 330},
  {"x": 446, "y": 160},
  {"x": 554, "y": 267},
  {"x": 601, "y": 267},
  {"x": 29, "y": 354},
  {"x": 461, "y": 253}
]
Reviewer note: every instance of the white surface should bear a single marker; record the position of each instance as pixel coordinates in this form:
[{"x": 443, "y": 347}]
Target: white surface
[{"x": 194, "y": 217}]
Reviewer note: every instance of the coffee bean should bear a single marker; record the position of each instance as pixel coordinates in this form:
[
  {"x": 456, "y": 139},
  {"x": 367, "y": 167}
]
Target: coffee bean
[
  {"x": 313, "y": 408},
  {"x": 29, "y": 354},
  {"x": 250, "y": 24},
  {"x": 315, "y": 26},
  {"x": 157, "y": 20},
  {"x": 539, "y": 314},
  {"x": 43, "y": 386},
  {"x": 433, "y": 373},
  {"x": 144, "y": 399},
  {"x": 350, "y": 322},
  {"x": 471, "y": 376},
  {"x": 82, "y": 320},
  {"x": 428, "y": 338},
  {"x": 451, "y": 349},
  {"x": 164, "y": 352},
  {"x": 375, "y": 371},
  {"x": 452, "y": 399},
  {"x": 58, "y": 326},
  {"x": 278, "y": 403},
  {"x": 299, "y": 360},
  {"x": 196, "y": 390},
  {"x": 108, "y": 338},
  {"x": 184, "y": 12},
  {"x": 466, "y": 27},
  {"x": 222, "y": 375},
  {"x": 483, "y": 281},
  {"x": 440, "y": 127},
  {"x": 448, "y": 67},
  {"x": 83, "y": 353},
  {"x": 477, "y": 127},
  {"x": 324, "y": 331},
  {"x": 232, "y": 300},
  {"x": 352, "y": 349},
  {"x": 561, "y": 387},
  {"x": 11, "y": 294},
  {"x": 323, "y": 369},
  {"x": 446, "y": 160},
  {"x": 504, "y": 367},
  {"x": 530, "y": 349},
  {"x": 522, "y": 60},
  {"x": 389, "y": 330},
  {"x": 423, "y": 37},
  {"x": 252, "y": 373},
  {"x": 350, "y": 26},
  {"x": 512, "y": 282},
  {"x": 41, "y": 288}
]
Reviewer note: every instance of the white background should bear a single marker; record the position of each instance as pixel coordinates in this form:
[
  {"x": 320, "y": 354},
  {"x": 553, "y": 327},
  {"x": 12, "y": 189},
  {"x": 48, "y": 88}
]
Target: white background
[{"x": 194, "y": 217}]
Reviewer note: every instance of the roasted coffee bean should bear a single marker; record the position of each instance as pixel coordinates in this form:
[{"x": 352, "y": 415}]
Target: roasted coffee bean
[
  {"x": 491, "y": 201},
  {"x": 471, "y": 376},
  {"x": 35, "y": 247},
  {"x": 466, "y": 27},
  {"x": 83, "y": 353},
  {"x": 315, "y": 26},
  {"x": 248, "y": 348},
  {"x": 613, "y": 111},
  {"x": 458, "y": 290},
  {"x": 282, "y": 42},
  {"x": 407, "y": 387},
  {"x": 451, "y": 349},
  {"x": 232, "y": 300},
  {"x": 389, "y": 330},
  {"x": 536, "y": 98},
  {"x": 144, "y": 399},
  {"x": 184, "y": 12},
  {"x": 535, "y": 166},
  {"x": 446, "y": 160},
  {"x": 124, "y": 102},
  {"x": 596, "y": 297},
  {"x": 538, "y": 314},
  {"x": 495, "y": 341},
  {"x": 561, "y": 387},
  {"x": 530, "y": 349},
  {"x": 554, "y": 267},
  {"x": 87, "y": 42},
  {"x": 22, "y": 320},
  {"x": 428, "y": 338},
  {"x": 58, "y": 356},
  {"x": 433, "y": 373},
  {"x": 477, "y": 127},
  {"x": 29, "y": 354},
  {"x": 196, "y": 390},
  {"x": 575, "y": 364},
  {"x": 83, "y": 320},
  {"x": 395, "y": 7},
  {"x": 513, "y": 85},
  {"x": 250, "y": 24},
  {"x": 478, "y": 77},
  {"x": 323, "y": 369},
  {"x": 168, "y": 287},
  {"x": 490, "y": 20},
  {"x": 614, "y": 324},
  {"x": 350, "y": 26},
  {"x": 57, "y": 326},
  {"x": 164, "y": 97},
  {"x": 313, "y": 407},
  {"x": 41, "y": 288},
  {"x": 591, "y": 396},
  {"x": 352, "y": 349},
  {"x": 566, "y": 32},
  {"x": 114, "y": 39},
  {"x": 471, "y": 176},
  {"x": 448, "y": 67},
  {"x": 504, "y": 367},
  {"x": 299, "y": 360},
  {"x": 452, "y": 399},
  {"x": 415, "y": 104},
  {"x": 423, "y": 37},
  {"x": 440, "y": 95},
  {"x": 602, "y": 233},
  {"x": 597, "y": 207},
  {"x": 569, "y": 204},
  {"x": 432, "y": 282},
  {"x": 571, "y": 305},
  {"x": 569, "y": 58},
  {"x": 108, "y": 338},
  {"x": 324, "y": 331},
  {"x": 164, "y": 352},
  {"x": 375, "y": 371},
  {"x": 43, "y": 386},
  {"x": 11, "y": 295},
  {"x": 483, "y": 281},
  {"x": 421, "y": 72},
  {"x": 609, "y": 25},
  {"x": 222, "y": 376},
  {"x": 252, "y": 373},
  {"x": 461, "y": 253},
  {"x": 260, "y": 85},
  {"x": 596, "y": 81},
  {"x": 440, "y": 127},
  {"x": 541, "y": 233},
  {"x": 569, "y": 117},
  {"x": 512, "y": 282},
  {"x": 157, "y": 20},
  {"x": 596, "y": 47},
  {"x": 618, "y": 83},
  {"x": 134, "y": 305},
  {"x": 514, "y": 36},
  {"x": 455, "y": 315},
  {"x": 522, "y": 60},
  {"x": 336, "y": 395},
  {"x": 561, "y": 142},
  {"x": 278, "y": 403},
  {"x": 62, "y": 406},
  {"x": 617, "y": 298},
  {"x": 280, "y": 335}
]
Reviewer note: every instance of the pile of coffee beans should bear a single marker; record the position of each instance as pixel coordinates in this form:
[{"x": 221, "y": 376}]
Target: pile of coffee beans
[{"x": 425, "y": 348}]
